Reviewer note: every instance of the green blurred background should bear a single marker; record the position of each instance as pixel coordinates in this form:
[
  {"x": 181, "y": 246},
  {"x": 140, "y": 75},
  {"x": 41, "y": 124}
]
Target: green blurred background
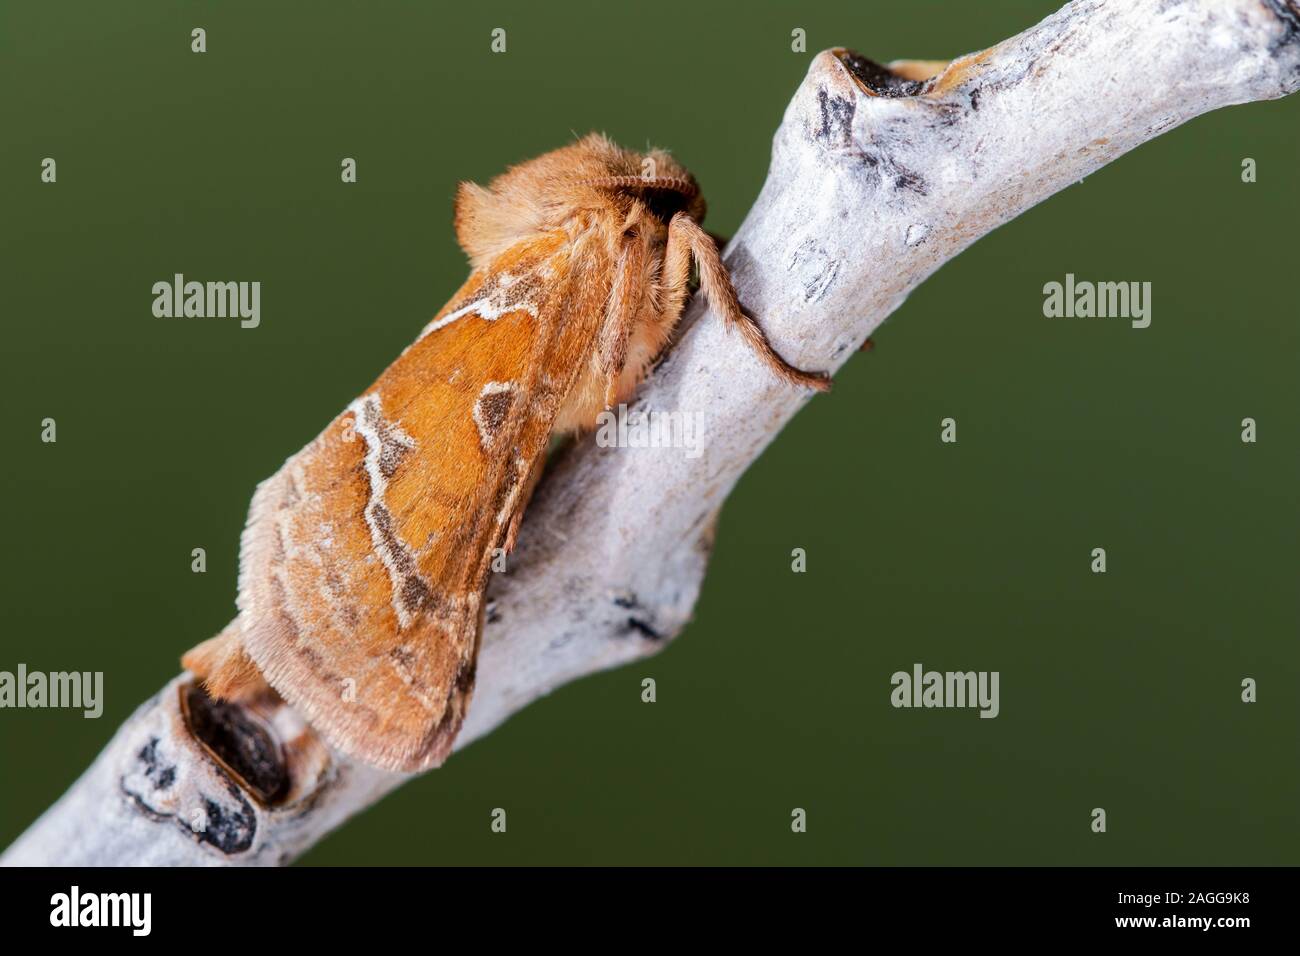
[{"x": 1119, "y": 690}]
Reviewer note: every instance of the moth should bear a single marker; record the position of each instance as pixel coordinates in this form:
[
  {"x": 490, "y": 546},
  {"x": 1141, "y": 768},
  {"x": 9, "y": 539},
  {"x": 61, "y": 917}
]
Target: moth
[{"x": 365, "y": 557}]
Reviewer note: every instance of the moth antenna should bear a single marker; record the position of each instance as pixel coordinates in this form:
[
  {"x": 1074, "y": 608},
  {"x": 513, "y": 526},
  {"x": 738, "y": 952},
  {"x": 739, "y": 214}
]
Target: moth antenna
[
  {"x": 716, "y": 285},
  {"x": 677, "y": 184}
]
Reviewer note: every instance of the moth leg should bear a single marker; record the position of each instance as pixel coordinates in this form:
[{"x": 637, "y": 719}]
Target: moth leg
[
  {"x": 716, "y": 285},
  {"x": 620, "y": 316},
  {"x": 224, "y": 667},
  {"x": 675, "y": 276},
  {"x": 530, "y": 484}
]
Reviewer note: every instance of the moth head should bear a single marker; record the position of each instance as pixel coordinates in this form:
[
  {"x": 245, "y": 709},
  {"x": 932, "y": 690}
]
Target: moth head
[{"x": 591, "y": 174}]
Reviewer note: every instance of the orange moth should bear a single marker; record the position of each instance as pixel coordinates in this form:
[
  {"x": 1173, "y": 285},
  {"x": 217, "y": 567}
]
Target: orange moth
[{"x": 365, "y": 557}]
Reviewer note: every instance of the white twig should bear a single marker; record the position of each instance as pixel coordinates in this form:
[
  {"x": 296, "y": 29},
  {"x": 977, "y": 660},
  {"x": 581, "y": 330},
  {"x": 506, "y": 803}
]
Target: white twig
[{"x": 875, "y": 182}]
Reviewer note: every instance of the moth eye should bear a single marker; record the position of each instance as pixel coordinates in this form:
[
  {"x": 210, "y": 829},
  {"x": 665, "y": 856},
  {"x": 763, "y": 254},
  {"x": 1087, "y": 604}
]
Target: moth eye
[{"x": 664, "y": 203}]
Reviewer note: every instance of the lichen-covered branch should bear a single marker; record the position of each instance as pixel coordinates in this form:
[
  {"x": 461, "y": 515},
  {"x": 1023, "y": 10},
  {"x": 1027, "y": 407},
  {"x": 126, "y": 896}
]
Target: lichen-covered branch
[{"x": 879, "y": 176}]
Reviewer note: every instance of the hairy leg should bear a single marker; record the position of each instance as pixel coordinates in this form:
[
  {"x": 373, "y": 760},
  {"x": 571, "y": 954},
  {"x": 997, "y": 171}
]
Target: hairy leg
[
  {"x": 620, "y": 318},
  {"x": 227, "y": 672},
  {"x": 716, "y": 285}
]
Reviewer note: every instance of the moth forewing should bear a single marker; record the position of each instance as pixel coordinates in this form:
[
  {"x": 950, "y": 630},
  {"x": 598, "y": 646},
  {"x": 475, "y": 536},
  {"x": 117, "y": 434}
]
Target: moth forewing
[{"x": 365, "y": 557}]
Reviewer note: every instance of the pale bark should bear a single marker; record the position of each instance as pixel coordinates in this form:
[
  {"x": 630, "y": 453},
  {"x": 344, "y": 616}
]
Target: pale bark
[{"x": 866, "y": 196}]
